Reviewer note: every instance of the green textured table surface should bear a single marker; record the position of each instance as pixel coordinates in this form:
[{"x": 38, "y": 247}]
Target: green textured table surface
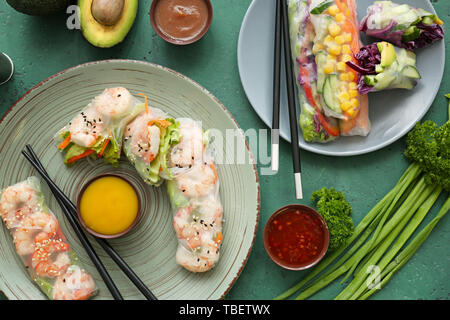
[{"x": 41, "y": 47}]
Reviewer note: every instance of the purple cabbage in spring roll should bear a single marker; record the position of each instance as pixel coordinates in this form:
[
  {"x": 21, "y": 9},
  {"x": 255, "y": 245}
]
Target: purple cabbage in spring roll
[
  {"x": 383, "y": 66},
  {"x": 402, "y": 25}
]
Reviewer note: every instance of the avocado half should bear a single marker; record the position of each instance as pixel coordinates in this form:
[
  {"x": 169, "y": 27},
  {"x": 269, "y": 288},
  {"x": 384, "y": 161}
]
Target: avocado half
[
  {"x": 104, "y": 36},
  {"x": 40, "y": 7}
]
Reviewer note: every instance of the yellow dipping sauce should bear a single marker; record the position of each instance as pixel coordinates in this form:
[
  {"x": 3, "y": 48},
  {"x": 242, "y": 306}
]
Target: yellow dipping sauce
[{"x": 109, "y": 205}]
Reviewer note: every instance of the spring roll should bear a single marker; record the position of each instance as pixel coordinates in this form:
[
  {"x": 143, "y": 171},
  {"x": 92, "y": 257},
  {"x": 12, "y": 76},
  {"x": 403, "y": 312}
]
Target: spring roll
[
  {"x": 359, "y": 125},
  {"x": 323, "y": 36},
  {"x": 383, "y": 66},
  {"x": 315, "y": 125},
  {"x": 41, "y": 245},
  {"x": 147, "y": 141},
  {"x": 402, "y": 25},
  {"x": 194, "y": 196},
  {"x": 97, "y": 131}
]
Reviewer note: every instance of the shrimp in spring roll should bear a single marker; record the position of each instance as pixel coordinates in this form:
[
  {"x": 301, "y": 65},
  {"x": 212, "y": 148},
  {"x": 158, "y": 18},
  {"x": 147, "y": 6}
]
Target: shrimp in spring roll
[
  {"x": 194, "y": 195},
  {"x": 147, "y": 141},
  {"x": 98, "y": 130},
  {"x": 41, "y": 245},
  {"x": 402, "y": 25},
  {"x": 324, "y": 35}
]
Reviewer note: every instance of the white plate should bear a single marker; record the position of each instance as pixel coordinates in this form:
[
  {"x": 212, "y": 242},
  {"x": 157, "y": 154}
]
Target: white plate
[{"x": 392, "y": 113}]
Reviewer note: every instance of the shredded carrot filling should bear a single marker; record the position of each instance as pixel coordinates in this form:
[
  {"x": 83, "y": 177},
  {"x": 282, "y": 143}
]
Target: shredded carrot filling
[
  {"x": 81, "y": 156},
  {"x": 219, "y": 238},
  {"x": 94, "y": 142},
  {"x": 103, "y": 148},
  {"x": 65, "y": 143},
  {"x": 161, "y": 122},
  {"x": 213, "y": 167},
  {"x": 146, "y": 102}
]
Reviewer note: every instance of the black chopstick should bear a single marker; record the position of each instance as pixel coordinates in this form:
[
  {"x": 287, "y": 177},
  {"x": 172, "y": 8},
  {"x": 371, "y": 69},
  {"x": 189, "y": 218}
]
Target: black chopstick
[
  {"x": 291, "y": 102},
  {"x": 72, "y": 211},
  {"x": 275, "y": 135},
  {"x": 82, "y": 237}
]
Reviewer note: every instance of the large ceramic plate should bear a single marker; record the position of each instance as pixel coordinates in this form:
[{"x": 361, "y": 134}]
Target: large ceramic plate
[
  {"x": 392, "y": 113},
  {"x": 150, "y": 248}
]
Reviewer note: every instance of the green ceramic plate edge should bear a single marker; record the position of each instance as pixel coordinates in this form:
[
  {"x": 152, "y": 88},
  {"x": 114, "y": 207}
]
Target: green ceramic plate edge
[{"x": 150, "y": 252}]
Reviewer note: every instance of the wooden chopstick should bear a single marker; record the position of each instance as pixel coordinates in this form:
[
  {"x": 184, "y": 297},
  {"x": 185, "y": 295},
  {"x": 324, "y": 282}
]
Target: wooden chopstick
[
  {"x": 275, "y": 136},
  {"x": 81, "y": 236},
  {"x": 291, "y": 102},
  {"x": 71, "y": 209}
]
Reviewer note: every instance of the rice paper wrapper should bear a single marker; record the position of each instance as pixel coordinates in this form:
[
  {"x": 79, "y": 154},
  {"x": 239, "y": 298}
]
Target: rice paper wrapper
[
  {"x": 194, "y": 196},
  {"x": 323, "y": 117},
  {"x": 311, "y": 118},
  {"x": 41, "y": 244},
  {"x": 402, "y": 73},
  {"x": 100, "y": 125},
  {"x": 360, "y": 125},
  {"x": 402, "y": 25},
  {"x": 146, "y": 144}
]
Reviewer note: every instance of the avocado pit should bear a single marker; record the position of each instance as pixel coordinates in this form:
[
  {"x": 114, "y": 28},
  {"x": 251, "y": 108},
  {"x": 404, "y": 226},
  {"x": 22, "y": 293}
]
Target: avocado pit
[{"x": 107, "y": 12}]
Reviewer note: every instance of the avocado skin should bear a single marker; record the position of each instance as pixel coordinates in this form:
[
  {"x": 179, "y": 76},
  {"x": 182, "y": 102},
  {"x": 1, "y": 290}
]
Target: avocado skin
[{"x": 40, "y": 7}]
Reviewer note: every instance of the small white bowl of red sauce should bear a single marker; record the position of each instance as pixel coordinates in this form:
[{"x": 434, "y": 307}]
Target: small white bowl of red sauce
[
  {"x": 181, "y": 21},
  {"x": 296, "y": 237}
]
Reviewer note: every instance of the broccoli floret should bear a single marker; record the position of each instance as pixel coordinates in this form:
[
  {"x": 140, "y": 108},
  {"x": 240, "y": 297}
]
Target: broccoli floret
[
  {"x": 336, "y": 211},
  {"x": 428, "y": 145}
]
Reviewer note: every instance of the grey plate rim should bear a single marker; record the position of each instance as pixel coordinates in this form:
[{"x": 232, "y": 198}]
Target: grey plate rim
[{"x": 308, "y": 146}]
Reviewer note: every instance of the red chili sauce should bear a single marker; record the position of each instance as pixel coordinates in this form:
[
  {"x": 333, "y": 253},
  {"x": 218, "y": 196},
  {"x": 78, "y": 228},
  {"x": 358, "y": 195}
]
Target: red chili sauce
[{"x": 295, "y": 238}]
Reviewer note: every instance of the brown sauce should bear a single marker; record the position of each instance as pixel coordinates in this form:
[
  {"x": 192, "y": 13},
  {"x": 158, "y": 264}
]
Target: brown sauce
[{"x": 181, "y": 19}]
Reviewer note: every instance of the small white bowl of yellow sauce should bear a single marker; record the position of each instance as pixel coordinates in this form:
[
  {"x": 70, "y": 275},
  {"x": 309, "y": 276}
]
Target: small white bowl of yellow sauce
[{"x": 108, "y": 206}]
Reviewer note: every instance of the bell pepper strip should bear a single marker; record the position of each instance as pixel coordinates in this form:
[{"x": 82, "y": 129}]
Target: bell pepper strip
[
  {"x": 325, "y": 123},
  {"x": 327, "y": 126},
  {"x": 81, "y": 156},
  {"x": 65, "y": 143},
  {"x": 305, "y": 75}
]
